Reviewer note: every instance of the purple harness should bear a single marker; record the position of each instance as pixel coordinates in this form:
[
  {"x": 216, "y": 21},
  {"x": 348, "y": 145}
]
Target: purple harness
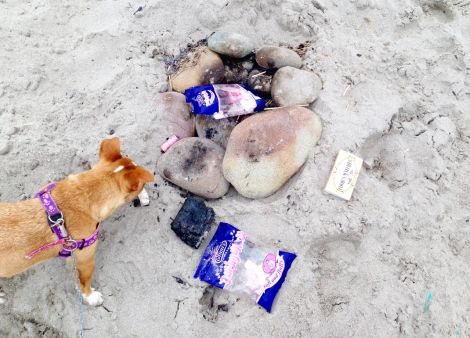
[{"x": 56, "y": 222}]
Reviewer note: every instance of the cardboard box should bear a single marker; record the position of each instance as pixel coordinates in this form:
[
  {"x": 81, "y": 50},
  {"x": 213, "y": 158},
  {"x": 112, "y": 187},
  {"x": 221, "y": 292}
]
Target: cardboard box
[{"x": 344, "y": 175}]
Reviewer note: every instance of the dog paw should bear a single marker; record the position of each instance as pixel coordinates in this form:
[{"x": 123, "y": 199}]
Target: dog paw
[
  {"x": 95, "y": 298},
  {"x": 3, "y": 299}
]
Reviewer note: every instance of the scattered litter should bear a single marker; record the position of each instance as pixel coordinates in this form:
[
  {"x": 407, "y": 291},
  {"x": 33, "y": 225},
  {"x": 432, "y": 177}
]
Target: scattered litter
[
  {"x": 223, "y": 100},
  {"x": 233, "y": 263},
  {"x": 427, "y": 302},
  {"x": 168, "y": 143},
  {"x": 193, "y": 221},
  {"x": 144, "y": 198},
  {"x": 344, "y": 175}
]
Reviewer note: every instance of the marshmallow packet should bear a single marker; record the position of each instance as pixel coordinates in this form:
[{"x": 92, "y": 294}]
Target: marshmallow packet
[
  {"x": 233, "y": 263},
  {"x": 223, "y": 100}
]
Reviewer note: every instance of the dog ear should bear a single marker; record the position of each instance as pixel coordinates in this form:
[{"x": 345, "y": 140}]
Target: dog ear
[
  {"x": 138, "y": 177},
  {"x": 110, "y": 150}
]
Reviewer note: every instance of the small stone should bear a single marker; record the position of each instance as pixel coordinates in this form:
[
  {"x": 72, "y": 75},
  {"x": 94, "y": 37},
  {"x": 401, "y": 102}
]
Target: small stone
[
  {"x": 277, "y": 57},
  {"x": 195, "y": 164},
  {"x": 33, "y": 165},
  {"x": 193, "y": 222},
  {"x": 260, "y": 81},
  {"x": 201, "y": 67},
  {"x": 230, "y": 44},
  {"x": 248, "y": 65},
  {"x": 176, "y": 113},
  {"x": 266, "y": 149},
  {"x": 292, "y": 86},
  {"x": 215, "y": 130},
  {"x": 5, "y": 147},
  {"x": 136, "y": 203}
]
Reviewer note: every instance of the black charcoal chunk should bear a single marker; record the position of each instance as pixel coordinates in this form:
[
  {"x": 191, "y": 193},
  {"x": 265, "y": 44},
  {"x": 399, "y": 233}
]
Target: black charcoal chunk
[{"x": 193, "y": 221}]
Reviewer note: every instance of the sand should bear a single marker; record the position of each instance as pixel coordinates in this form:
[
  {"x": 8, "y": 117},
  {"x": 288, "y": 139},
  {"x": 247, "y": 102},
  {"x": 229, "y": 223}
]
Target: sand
[{"x": 396, "y": 92}]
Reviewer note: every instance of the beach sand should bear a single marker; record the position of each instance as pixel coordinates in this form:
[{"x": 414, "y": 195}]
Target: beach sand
[{"x": 393, "y": 261}]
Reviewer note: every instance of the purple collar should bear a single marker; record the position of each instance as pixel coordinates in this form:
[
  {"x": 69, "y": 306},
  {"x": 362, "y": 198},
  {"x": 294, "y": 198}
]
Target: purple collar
[{"x": 56, "y": 222}]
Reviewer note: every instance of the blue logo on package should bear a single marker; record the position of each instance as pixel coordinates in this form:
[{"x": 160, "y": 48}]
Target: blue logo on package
[
  {"x": 223, "y": 100},
  {"x": 233, "y": 263}
]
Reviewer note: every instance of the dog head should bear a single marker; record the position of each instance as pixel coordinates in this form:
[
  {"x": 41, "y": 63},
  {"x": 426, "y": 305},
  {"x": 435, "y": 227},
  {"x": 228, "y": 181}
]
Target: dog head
[{"x": 129, "y": 177}]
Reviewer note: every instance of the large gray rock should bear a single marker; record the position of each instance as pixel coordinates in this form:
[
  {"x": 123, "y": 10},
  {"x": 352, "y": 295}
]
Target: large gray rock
[
  {"x": 230, "y": 44},
  {"x": 195, "y": 164},
  {"x": 266, "y": 149},
  {"x": 292, "y": 86}
]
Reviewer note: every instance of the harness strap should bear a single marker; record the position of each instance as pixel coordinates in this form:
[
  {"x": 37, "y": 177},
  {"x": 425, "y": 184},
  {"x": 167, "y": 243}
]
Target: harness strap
[
  {"x": 56, "y": 222},
  {"x": 47, "y": 201},
  {"x": 69, "y": 245},
  {"x": 44, "y": 248}
]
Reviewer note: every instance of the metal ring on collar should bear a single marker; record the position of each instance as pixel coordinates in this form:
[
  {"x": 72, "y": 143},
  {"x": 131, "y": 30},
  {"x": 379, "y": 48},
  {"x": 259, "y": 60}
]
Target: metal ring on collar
[
  {"x": 58, "y": 221},
  {"x": 70, "y": 245}
]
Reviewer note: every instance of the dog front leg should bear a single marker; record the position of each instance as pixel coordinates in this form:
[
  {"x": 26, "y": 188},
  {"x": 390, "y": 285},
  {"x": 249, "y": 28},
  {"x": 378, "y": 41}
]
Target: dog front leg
[{"x": 86, "y": 266}]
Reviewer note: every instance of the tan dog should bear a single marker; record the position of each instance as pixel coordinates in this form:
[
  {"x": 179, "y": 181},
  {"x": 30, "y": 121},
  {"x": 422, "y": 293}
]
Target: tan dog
[{"x": 85, "y": 199}]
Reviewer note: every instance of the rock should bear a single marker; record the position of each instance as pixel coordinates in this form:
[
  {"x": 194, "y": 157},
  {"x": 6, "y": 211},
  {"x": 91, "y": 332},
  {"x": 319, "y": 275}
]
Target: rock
[
  {"x": 5, "y": 147},
  {"x": 277, "y": 57},
  {"x": 201, "y": 67},
  {"x": 230, "y": 44},
  {"x": 193, "y": 221},
  {"x": 292, "y": 86},
  {"x": 215, "y": 130},
  {"x": 266, "y": 149},
  {"x": 260, "y": 81},
  {"x": 176, "y": 114},
  {"x": 248, "y": 65},
  {"x": 195, "y": 164}
]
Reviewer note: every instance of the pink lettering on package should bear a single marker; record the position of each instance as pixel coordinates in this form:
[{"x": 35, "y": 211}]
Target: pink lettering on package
[
  {"x": 269, "y": 263},
  {"x": 276, "y": 275},
  {"x": 231, "y": 265}
]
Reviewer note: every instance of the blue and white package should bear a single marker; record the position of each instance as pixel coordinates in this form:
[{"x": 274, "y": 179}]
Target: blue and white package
[
  {"x": 233, "y": 263},
  {"x": 223, "y": 100}
]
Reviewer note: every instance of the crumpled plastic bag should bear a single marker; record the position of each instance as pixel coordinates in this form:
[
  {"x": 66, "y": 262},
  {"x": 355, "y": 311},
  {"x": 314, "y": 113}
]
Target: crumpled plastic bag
[
  {"x": 233, "y": 263},
  {"x": 223, "y": 100}
]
